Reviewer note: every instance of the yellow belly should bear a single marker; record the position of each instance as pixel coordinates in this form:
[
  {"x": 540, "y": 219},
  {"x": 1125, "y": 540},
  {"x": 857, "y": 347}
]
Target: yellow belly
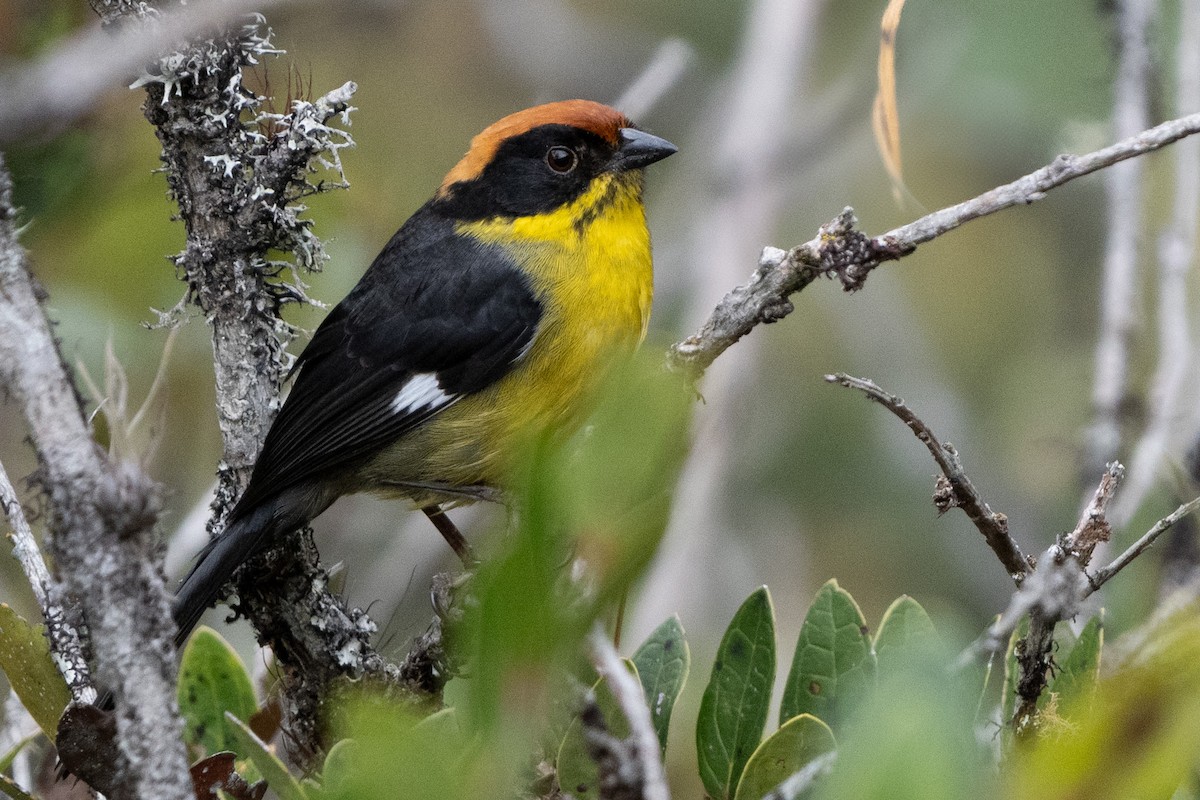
[{"x": 595, "y": 282}]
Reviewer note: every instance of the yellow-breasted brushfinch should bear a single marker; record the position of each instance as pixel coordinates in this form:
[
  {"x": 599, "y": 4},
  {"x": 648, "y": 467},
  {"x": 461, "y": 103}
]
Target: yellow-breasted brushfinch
[{"x": 491, "y": 312}]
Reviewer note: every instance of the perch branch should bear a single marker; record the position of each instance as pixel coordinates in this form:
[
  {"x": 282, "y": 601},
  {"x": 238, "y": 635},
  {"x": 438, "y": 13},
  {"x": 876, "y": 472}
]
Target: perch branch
[{"x": 237, "y": 170}]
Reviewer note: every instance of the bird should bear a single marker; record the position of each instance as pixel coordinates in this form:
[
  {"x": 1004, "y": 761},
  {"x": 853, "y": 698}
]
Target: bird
[{"x": 493, "y": 312}]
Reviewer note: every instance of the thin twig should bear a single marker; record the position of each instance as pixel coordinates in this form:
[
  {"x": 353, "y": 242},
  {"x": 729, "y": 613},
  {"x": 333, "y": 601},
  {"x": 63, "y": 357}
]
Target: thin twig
[
  {"x": 1104, "y": 574},
  {"x": 840, "y": 250},
  {"x": 993, "y": 525},
  {"x": 65, "y": 647},
  {"x": 632, "y": 701}
]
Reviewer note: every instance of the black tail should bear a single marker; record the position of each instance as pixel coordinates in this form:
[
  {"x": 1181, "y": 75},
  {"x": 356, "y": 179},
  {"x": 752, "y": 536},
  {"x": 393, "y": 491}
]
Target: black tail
[{"x": 241, "y": 539}]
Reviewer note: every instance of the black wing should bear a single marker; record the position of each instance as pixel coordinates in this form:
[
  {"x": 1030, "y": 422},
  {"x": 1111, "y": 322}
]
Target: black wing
[{"x": 436, "y": 317}]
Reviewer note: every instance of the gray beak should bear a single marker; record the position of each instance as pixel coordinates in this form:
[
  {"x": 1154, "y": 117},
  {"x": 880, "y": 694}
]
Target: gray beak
[{"x": 639, "y": 149}]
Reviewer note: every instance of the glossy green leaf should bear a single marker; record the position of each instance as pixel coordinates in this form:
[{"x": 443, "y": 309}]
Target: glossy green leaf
[
  {"x": 905, "y": 633},
  {"x": 212, "y": 681},
  {"x": 276, "y": 774},
  {"x": 734, "y": 708},
  {"x": 577, "y": 773},
  {"x": 25, "y": 659},
  {"x": 663, "y": 662},
  {"x": 834, "y": 663},
  {"x": 1075, "y": 679},
  {"x": 784, "y": 753}
]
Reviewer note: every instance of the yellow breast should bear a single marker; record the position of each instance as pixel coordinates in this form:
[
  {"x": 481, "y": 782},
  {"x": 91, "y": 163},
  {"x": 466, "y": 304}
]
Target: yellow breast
[{"x": 589, "y": 263}]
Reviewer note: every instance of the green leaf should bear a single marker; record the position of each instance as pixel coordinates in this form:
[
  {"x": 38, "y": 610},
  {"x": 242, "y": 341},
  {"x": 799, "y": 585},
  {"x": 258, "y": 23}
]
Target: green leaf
[
  {"x": 577, "y": 773},
  {"x": 905, "y": 633},
  {"x": 663, "y": 662},
  {"x": 734, "y": 707},
  {"x": 784, "y": 753},
  {"x": 269, "y": 766},
  {"x": 1075, "y": 680},
  {"x": 9, "y": 787},
  {"x": 615, "y": 482},
  {"x": 833, "y": 664},
  {"x": 25, "y": 659},
  {"x": 338, "y": 770},
  {"x": 8, "y": 758},
  {"x": 213, "y": 681}
]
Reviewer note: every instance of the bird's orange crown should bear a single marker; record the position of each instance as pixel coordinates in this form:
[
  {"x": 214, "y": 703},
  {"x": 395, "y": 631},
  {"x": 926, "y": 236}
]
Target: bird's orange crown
[{"x": 585, "y": 114}]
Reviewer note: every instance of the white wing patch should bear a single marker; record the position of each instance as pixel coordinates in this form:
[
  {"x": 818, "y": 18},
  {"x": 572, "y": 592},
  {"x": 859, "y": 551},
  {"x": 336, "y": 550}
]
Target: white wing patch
[{"x": 421, "y": 393}]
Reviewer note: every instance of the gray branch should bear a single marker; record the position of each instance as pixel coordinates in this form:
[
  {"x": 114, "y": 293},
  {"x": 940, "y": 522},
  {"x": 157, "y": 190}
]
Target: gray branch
[
  {"x": 1103, "y": 575},
  {"x": 840, "y": 250},
  {"x": 101, "y": 520},
  {"x": 65, "y": 646}
]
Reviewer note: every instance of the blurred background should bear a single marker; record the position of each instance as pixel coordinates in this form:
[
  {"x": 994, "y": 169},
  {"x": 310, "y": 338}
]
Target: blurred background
[{"x": 988, "y": 332}]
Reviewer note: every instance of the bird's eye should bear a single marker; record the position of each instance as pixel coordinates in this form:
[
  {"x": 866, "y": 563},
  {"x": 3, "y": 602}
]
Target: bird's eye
[{"x": 561, "y": 159}]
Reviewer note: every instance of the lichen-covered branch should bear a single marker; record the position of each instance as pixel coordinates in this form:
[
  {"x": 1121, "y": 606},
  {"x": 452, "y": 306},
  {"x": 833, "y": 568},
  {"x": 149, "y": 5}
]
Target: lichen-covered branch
[
  {"x": 238, "y": 169},
  {"x": 841, "y": 250},
  {"x": 65, "y": 646},
  {"x": 101, "y": 520}
]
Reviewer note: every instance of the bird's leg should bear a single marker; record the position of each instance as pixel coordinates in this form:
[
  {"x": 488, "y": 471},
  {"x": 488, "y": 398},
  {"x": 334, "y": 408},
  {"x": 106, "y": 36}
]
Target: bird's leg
[{"x": 450, "y": 532}]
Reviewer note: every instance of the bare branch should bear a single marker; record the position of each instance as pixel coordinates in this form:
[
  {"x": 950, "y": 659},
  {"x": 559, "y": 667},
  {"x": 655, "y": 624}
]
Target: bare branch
[
  {"x": 841, "y": 250},
  {"x": 670, "y": 62},
  {"x": 993, "y": 525},
  {"x": 1102, "y": 576}
]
